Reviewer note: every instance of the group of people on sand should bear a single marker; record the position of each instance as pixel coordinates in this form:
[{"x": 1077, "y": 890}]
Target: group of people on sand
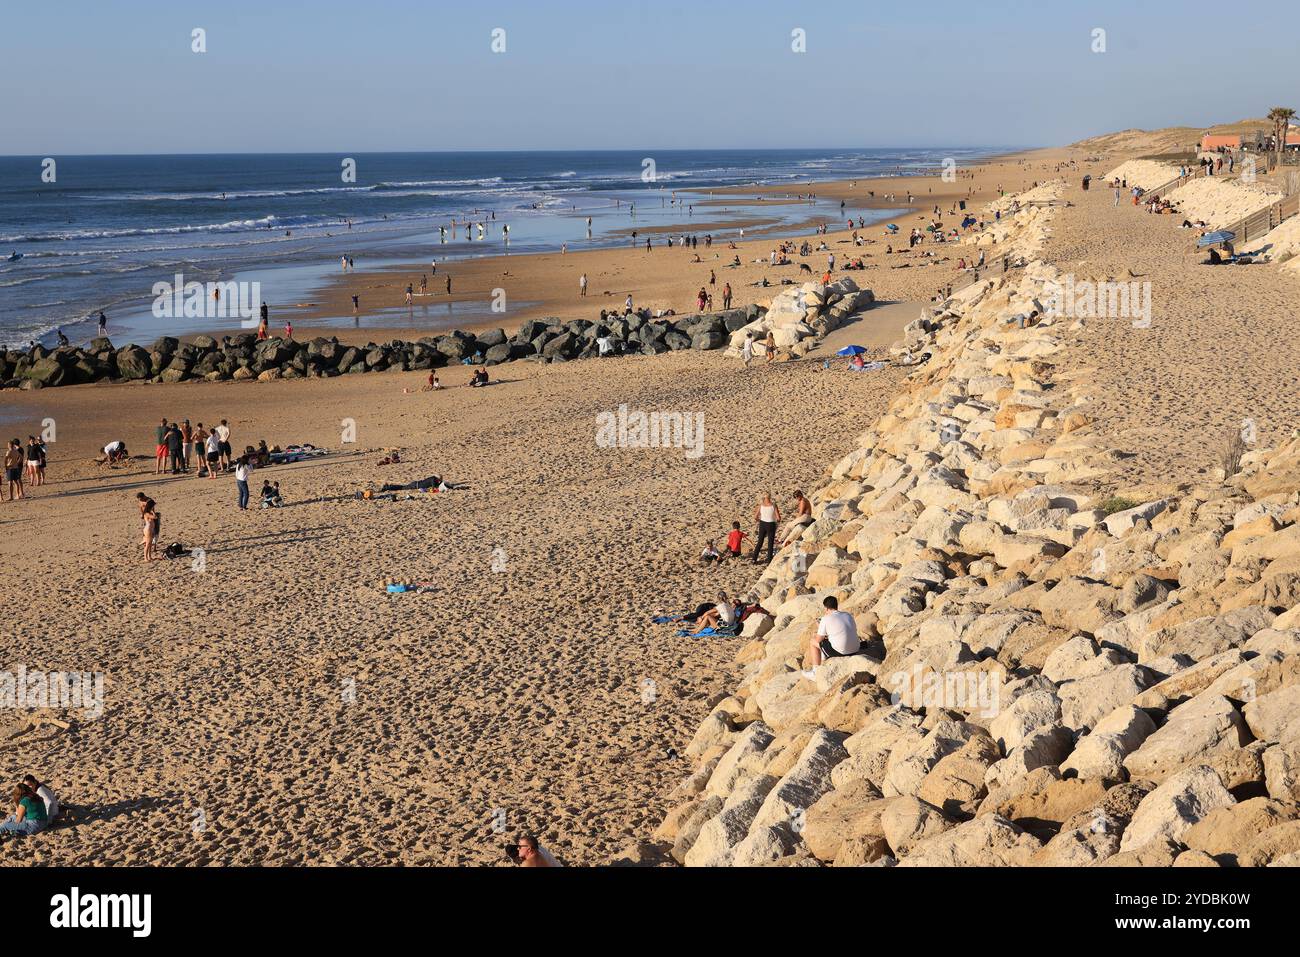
[
  {"x": 24, "y": 467},
  {"x": 767, "y": 515},
  {"x": 35, "y": 807}
]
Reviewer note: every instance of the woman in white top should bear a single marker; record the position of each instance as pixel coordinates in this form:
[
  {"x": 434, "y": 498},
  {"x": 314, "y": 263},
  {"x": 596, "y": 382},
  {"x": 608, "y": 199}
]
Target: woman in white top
[{"x": 767, "y": 515}]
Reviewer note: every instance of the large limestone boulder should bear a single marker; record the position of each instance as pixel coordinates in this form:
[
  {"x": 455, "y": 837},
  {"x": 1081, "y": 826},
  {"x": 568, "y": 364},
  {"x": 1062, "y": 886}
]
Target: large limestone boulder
[
  {"x": 1196, "y": 733},
  {"x": 850, "y": 814},
  {"x": 987, "y": 841},
  {"x": 1276, "y": 716},
  {"x": 716, "y": 842},
  {"x": 1101, "y": 753},
  {"x": 1226, "y": 831},
  {"x": 805, "y": 782},
  {"x": 907, "y": 821},
  {"x": 1168, "y": 812},
  {"x": 1086, "y": 701}
]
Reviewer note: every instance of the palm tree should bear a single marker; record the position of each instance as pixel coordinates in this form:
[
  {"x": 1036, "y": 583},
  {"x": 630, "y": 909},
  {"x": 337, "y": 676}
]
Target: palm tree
[{"x": 1281, "y": 118}]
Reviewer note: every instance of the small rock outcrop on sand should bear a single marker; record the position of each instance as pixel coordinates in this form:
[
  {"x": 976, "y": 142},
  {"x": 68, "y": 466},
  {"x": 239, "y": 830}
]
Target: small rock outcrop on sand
[{"x": 1054, "y": 672}]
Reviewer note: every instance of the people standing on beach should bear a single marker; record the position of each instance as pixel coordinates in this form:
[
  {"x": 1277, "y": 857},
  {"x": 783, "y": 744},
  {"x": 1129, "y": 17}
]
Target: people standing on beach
[
  {"x": 151, "y": 525},
  {"x": 103, "y": 324},
  {"x": 213, "y": 453},
  {"x": 200, "y": 449},
  {"x": 35, "y": 452},
  {"x": 627, "y": 305},
  {"x": 449, "y": 284},
  {"x": 767, "y": 515},
  {"x": 288, "y": 328},
  {"x": 747, "y": 350},
  {"x": 769, "y": 346},
  {"x": 14, "y": 469},
  {"x": 223, "y": 438},
  {"x": 242, "y": 468},
  {"x": 160, "y": 448},
  {"x": 175, "y": 445},
  {"x": 187, "y": 437},
  {"x": 356, "y": 303},
  {"x": 582, "y": 286}
]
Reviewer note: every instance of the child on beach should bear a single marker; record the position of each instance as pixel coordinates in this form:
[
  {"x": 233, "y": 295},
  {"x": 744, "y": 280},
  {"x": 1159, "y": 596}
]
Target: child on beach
[
  {"x": 710, "y": 555},
  {"x": 735, "y": 540},
  {"x": 271, "y": 495}
]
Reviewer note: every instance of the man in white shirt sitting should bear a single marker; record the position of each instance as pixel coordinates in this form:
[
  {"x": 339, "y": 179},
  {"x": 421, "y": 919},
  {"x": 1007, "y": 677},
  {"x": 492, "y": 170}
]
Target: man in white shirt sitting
[{"x": 836, "y": 637}]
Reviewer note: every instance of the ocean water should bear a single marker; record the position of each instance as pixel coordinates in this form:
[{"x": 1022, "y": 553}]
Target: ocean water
[{"x": 109, "y": 227}]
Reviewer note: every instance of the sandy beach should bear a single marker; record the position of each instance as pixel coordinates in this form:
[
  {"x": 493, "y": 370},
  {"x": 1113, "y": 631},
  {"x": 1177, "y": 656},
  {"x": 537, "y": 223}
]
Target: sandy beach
[
  {"x": 547, "y": 284},
  {"x": 225, "y": 690}
]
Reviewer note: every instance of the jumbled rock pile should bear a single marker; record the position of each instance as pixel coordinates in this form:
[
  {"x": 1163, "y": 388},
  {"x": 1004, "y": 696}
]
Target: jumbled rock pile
[
  {"x": 242, "y": 357},
  {"x": 1056, "y": 672},
  {"x": 800, "y": 315}
]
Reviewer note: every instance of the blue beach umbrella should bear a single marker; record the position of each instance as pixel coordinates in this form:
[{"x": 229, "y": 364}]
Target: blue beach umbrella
[
  {"x": 851, "y": 351},
  {"x": 1216, "y": 237}
]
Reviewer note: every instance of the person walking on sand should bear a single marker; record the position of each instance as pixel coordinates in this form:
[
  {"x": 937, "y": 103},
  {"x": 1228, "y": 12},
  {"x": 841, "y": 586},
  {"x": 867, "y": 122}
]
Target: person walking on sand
[
  {"x": 103, "y": 325},
  {"x": 288, "y": 328},
  {"x": 726, "y": 295},
  {"x": 747, "y": 350},
  {"x": 409, "y": 293},
  {"x": 242, "y": 468},
  {"x": 582, "y": 286},
  {"x": 449, "y": 284},
  {"x": 769, "y": 345},
  {"x": 14, "y": 469},
  {"x": 767, "y": 515}
]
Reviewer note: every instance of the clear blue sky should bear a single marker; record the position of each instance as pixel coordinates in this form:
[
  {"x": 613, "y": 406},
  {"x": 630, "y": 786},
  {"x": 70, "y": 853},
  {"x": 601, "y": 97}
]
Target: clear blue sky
[{"x": 118, "y": 76}]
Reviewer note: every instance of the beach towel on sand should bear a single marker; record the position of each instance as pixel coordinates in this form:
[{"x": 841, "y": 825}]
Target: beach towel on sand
[{"x": 730, "y": 632}]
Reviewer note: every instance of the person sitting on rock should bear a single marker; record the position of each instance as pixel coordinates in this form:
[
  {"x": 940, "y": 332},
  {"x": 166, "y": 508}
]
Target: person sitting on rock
[{"x": 836, "y": 636}]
